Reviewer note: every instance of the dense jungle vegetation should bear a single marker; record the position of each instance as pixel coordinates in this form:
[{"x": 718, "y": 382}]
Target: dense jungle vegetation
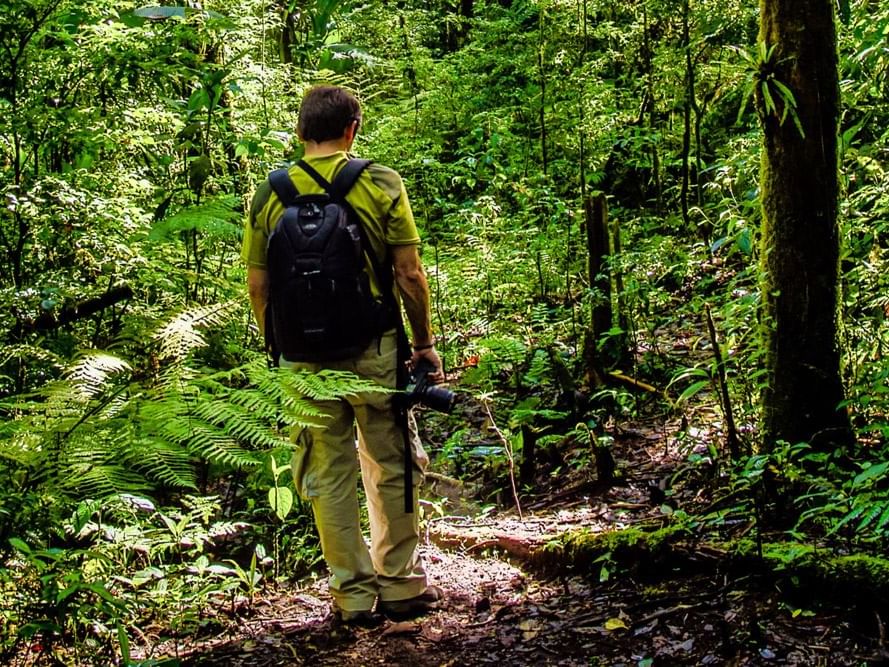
[{"x": 586, "y": 175}]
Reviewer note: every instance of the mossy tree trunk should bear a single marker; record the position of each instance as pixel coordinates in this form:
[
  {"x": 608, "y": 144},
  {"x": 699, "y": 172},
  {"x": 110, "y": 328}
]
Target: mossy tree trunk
[{"x": 800, "y": 238}]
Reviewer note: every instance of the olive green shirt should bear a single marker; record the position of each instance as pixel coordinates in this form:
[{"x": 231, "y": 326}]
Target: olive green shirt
[{"x": 378, "y": 197}]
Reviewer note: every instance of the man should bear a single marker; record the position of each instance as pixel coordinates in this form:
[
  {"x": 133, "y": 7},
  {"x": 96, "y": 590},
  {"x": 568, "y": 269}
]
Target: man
[{"x": 325, "y": 464}]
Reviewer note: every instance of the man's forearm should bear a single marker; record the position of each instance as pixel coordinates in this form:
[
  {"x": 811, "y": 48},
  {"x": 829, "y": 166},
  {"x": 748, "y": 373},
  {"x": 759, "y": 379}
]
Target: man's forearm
[
  {"x": 415, "y": 297},
  {"x": 411, "y": 281},
  {"x": 258, "y": 305},
  {"x": 258, "y": 290}
]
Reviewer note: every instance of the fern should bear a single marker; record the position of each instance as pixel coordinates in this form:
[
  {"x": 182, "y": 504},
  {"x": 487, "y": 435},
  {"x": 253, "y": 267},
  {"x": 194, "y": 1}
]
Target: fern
[
  {"x": 89, "y": 464},
  {"x": 506, "y": 350},
  {"x": 237, "y": 422},
  {"x": 217, "y": 217},
  {"x": 30, "y": 353},
  {"x": 182, "y": 335},
  {"x": 169, "y": 465},
  {"x": 328, "y": 385},
  {"x": 94, "y": 373},
  {"x": 104, "y": 429}
]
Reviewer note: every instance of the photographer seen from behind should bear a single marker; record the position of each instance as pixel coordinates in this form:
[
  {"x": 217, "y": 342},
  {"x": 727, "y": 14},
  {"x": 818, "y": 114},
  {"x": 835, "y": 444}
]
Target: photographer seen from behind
[{"x": 317, "y": 313}]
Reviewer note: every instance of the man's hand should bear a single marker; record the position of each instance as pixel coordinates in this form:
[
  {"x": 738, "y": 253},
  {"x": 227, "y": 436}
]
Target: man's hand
[{"x": 432, "y": 357}]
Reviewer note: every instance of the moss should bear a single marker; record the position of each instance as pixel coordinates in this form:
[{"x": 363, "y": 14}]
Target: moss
[
  {"x": 817, "y": 570},
  {"x": 627, "y": 547},
  {"x": 810, "y": 570},
  {"x": 871, "y": 570}
]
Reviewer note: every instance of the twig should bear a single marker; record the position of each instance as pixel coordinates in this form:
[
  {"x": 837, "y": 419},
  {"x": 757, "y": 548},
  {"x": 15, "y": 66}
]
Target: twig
[
  {"x": 666, "y": 612},
  {"x": 509, "y": 457},
  {"x": 633, "y": 383},
  {"x": 731, "y": 431},
  {"x": 482, "y": 545}
]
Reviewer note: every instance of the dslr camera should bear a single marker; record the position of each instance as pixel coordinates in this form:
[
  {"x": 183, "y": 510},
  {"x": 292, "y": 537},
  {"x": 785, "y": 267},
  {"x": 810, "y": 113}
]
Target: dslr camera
[{"x": 421, "y": 390}]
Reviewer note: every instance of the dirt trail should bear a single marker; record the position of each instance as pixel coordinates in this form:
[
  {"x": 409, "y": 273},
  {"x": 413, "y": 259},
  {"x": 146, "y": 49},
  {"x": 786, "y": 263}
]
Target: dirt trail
[{"x": 499, "y": 613}]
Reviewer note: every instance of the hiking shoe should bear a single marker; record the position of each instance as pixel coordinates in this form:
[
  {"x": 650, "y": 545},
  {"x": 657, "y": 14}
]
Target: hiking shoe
[
  {"x": 401, "y": 610},
  {"x": 361, "y": 619}
]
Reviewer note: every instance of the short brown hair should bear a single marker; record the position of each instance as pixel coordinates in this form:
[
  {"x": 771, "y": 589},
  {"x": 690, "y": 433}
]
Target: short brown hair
[{"x": 326, "y": 112}]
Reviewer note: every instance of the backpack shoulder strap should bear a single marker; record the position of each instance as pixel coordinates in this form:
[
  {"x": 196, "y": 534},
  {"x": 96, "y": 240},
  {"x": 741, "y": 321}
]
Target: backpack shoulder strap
[
  {"x": 344, "y": 180},
  {"x": 311, "y": 171},
  {"x": 283, "y": 186}
]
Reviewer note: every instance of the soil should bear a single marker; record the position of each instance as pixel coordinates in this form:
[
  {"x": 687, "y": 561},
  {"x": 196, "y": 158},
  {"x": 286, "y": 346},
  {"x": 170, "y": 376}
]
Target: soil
[
  {"x": 498, "y": 613},
  {"x": 499, "y": 610}
]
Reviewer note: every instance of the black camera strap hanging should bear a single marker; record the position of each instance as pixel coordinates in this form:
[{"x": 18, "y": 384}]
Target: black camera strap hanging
[{"x": 401, "y": 406}]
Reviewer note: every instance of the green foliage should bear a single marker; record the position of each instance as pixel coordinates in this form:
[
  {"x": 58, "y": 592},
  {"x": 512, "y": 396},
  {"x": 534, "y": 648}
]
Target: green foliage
[
  {"x": 54, "y": 602},
  {"x": 132, "y": 138},
  {"x": 106, "y": 428},
  {"x": 215, "y": 218},
  {"x": 767, "y": 89}
]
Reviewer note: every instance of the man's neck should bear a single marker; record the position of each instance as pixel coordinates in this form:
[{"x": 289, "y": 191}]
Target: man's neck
[{"x": 320, "y": 149}]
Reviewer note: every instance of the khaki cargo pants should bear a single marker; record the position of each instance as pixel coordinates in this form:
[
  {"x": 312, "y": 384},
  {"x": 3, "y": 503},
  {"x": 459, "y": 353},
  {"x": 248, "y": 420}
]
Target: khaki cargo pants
[{"x": 325, "y": 471}]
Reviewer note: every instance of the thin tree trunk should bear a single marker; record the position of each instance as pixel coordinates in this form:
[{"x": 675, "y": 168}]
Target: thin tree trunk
[
  {"x": 540, "y": 66},
  {"x": 800, "y": 236},
  {"x": 652, "y": 117},
  {"x": 597, "y": 242},
  {"x": 686, "y": 114}
]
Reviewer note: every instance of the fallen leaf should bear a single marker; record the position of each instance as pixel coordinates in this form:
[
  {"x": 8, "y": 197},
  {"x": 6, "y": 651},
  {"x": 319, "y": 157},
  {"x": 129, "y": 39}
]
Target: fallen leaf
[
  {"x": 403, "y": 628},
  {"x": 615, "y": 624}
]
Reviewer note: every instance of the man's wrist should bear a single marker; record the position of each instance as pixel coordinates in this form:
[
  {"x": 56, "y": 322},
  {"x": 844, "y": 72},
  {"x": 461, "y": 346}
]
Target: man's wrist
[{"x": 423, "y": 346}]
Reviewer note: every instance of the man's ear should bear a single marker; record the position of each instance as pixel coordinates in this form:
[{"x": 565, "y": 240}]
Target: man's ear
[{"x": 350, "y": 131}]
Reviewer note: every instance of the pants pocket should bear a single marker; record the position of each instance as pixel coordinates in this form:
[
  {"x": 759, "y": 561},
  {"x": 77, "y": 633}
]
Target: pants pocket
[
  {"x": 299, "y": 463},
  {"x": 418, "y": 454}
]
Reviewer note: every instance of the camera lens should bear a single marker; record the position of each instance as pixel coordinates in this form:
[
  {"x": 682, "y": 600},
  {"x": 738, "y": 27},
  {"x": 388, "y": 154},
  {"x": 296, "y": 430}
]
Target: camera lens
[{"x": 439, "y": 399}]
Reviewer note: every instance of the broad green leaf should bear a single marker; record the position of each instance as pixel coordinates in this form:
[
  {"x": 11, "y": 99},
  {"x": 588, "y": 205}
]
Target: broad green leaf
[
  {"x": 767, "y": 98},
  {"x": 124, "y": 642},
  {"x": 785, "y": 92},
  {"x": 745, "y": 243},
  {"x": 691, "y": 390},
  {"x": 281, "y": 501},
  {"x": 18, "y": 544},
  {"x": 870, "y": 473}
]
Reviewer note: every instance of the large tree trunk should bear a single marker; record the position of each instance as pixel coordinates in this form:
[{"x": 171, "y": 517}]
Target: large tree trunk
[{"x": 800, "y": 239}]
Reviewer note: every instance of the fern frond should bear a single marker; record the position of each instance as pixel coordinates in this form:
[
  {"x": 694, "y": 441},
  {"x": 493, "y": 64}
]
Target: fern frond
[
  {"x": 238, "y": 423},
  {"x": 328, "y": 385},
  {"x": 30, "y": 353},
  {"x": 162, "y": 461},
  {"x": 182, "y": 335},
  {"x": 94, "y": 372},
  {"x": 510, "y": 350},
  {"x": 208, "y": 442},
  {"x": 90, "y": 466},
  {"x": 102, "y": 479},
  {"x": 22, "y": 447},
  {"x": 202, "y": 508},
  {"x": 217, "y": 217},
  {"x": 257, "y": 403}
]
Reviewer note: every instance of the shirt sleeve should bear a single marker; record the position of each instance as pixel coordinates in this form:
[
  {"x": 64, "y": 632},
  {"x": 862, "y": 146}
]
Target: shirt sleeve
[
  {"x": 400, "y": 227},
  {"x": 256, "y": 234}
]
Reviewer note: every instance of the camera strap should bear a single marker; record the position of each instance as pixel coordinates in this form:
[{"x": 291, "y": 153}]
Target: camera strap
[{"x": 408, "y": 463}]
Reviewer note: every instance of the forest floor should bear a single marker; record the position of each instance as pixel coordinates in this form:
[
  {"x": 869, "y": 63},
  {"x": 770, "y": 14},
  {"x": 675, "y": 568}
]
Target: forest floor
[{"x": 500, "y": 610}]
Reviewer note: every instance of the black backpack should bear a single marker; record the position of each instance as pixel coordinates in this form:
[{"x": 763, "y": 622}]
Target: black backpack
[{"x": 320, "y": 306}]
